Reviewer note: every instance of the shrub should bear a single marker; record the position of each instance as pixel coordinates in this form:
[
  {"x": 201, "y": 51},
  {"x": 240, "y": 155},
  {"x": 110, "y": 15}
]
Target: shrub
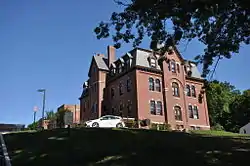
[
  {"x": 162, "y": 127},
  {"x": 218, "y": 127}
]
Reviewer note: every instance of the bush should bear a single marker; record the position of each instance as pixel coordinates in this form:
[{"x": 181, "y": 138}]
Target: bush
[
  {"x": 131, "y": 123},
  {"x": 218, "y": 127},
  {"x": 161, "y": 127}
]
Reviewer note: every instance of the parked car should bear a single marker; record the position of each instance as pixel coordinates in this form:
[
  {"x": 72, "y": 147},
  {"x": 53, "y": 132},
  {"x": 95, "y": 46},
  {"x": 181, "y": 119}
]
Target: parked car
[{"x": 106, "y": 121}]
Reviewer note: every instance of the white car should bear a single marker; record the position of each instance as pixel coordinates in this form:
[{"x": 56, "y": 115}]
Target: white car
[{"x": 106, "y": 121}]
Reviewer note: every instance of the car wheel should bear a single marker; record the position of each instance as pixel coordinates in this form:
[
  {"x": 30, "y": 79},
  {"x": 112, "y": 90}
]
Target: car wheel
[
  {"x": 119, "y": 125},
  {"x": 95, "y": 124}
]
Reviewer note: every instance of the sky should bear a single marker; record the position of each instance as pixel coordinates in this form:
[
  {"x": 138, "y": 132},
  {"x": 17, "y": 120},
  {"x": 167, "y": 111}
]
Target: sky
[{"x": 49, "y": 44}]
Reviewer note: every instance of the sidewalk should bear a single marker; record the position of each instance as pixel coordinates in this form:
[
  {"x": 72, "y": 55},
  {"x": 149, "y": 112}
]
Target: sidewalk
[{"x": 4, "y": 157}]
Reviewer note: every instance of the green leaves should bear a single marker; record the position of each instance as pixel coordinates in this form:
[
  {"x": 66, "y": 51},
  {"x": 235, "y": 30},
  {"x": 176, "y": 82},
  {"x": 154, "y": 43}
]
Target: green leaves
[{"x": 220, "y": 25}]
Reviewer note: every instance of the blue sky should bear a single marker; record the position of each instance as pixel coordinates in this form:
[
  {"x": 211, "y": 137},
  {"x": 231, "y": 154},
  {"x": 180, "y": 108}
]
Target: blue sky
[{"x": 49, "y": 44}]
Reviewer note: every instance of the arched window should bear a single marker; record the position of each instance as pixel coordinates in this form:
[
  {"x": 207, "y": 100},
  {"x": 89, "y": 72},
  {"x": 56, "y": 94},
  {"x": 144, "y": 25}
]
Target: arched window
[
  {"x": 178, "y": 68},
  {"x": 190, "y": 110},
  {"x": 188, "y": 90},
  {"x": 151, "y": 84},
  {"x": 175, "y": 89},
  {"x": 152, "y": 107},
  {"x": 177, "y": 112},
  {"x": 159, "y": 108},
  {"x": 193, "y": 91},
  {"x": 195, "y": 112},
  {"x": 173, "y": 66},
  {"x": 112, "y": 92},
  {"x": 158, "y": 85},
  {"x": 121, "y": 88}
]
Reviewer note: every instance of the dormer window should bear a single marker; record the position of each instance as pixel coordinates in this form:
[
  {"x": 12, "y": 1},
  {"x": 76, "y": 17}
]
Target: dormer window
[
  {"x": 153, "y": 62},
  {"x": 128, "y": 63},
  {"x": 119, "y": 68}
]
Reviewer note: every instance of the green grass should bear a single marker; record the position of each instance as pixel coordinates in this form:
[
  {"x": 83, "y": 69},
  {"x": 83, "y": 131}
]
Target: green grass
[
  {"x": 220, "y": 133},
  {"x": 126, "y": 147}
]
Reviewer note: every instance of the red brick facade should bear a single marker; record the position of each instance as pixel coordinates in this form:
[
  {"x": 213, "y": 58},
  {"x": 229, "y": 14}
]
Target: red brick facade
[{"x": 144, "y": 85}]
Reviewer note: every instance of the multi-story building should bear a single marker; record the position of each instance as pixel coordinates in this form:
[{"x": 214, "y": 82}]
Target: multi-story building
[{"x": 142, "y": 84}]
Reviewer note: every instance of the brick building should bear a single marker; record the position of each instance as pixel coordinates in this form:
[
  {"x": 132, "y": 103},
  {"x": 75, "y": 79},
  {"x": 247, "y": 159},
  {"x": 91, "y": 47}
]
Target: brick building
[
  {"x": 144, "y": 85},
  {"x": 74, "y": 108}
]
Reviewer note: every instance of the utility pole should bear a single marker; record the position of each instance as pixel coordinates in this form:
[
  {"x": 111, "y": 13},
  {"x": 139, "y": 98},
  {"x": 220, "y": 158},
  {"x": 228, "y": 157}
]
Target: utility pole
[{"x": 44, "y": 92}]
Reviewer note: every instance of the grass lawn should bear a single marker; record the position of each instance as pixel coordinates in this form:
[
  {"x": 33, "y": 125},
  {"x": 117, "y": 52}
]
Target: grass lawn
[{"x": 126, "y": 147}]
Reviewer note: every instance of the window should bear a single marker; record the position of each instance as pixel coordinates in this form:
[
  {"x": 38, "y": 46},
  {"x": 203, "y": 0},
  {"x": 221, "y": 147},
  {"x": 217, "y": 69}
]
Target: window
[
  {"x": 113, "y": 71},
  {"x": 153, "y": 62},
  {"x": 120, "y": 68},
  {"x": 129, "y": 85},
  {"x": 178, "y": 68},
  {"x": 193, "y": 91},
  {"x": 121, "y": 88},
  {"x": 175, "y": 89},
  {"x": 158, "y": 85},
  {"x": 195, "y": 113},
  {"x": 192, "y": 127},
  {"x": 151, "y": 84},
  {"x": 113, "y": 110},
  {"x": 177, "y": 112},
  {"x": 95, "y": 87},
  {"x": 105, "y": 118},
  {"x": 169, "y": 67},
  {"x": 152, "y": 107},
  {"x": 190, "y": 110},
  {"x": 121, "y": 109},
  {"x": 128, "y": 63},
  {"x": 112, "y": 92},
  {"x": 94, "y": 108},
  {"x": 173, "y": 69},
  {"x": 188, "y": 90},
  {"x": 159, "y": 108},
  {"x": 129, "y": 108}
]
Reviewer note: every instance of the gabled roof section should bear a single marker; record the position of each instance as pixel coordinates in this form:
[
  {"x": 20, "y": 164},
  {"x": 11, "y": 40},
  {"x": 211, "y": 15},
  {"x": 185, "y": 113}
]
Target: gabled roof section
[{"x": 101, "y": 63}]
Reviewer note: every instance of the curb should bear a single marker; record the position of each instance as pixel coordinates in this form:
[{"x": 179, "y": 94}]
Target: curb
[{"x": 5, "y": 152}]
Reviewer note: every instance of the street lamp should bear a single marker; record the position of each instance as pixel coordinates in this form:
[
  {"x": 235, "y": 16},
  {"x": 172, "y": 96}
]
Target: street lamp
[
  {"x": 35, "y": 110},
  {"x": 42, "y": 91}
]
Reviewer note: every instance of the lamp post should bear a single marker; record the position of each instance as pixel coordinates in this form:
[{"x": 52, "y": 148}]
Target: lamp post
[
  {"x": 44, "y": 92},
  {"x": 35, "y": 110}
]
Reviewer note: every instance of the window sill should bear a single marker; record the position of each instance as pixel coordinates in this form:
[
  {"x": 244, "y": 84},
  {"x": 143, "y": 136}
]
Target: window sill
[
  {"x": 156, "y": 114},
  {"x": 190, "y": 97},
  {"x": 194, "y": 118},
  {"x": 180, "y": 121},
  {"x": 178, "y": 98}
]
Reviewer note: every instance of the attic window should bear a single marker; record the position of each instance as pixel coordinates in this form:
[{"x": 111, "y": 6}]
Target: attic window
[
  {"x": 128, "y": 63},
  {"x": 153, "y": 62},
  {"x": 120, "y": 68}
]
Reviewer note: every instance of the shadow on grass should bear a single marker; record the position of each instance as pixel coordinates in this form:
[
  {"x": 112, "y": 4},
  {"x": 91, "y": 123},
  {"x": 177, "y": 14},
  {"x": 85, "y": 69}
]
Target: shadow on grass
[{"x": 108, "y": 147}]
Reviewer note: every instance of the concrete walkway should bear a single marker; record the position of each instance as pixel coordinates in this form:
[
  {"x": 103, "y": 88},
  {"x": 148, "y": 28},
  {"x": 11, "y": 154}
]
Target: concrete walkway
[{"x": 4, "y": 152}]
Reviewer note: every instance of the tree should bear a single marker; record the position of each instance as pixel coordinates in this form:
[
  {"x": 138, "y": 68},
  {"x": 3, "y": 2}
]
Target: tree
[
  {"x": 222, "y": 26},
  {"x": 33, "y": 126},
  {"x": 219, "y": 97},
  {"x": 240, "y": 111},
  {"x": 50, "y": 115}
]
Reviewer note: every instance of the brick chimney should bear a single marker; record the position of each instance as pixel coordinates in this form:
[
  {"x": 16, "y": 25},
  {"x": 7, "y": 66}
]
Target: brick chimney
[{"x": 111, "y": 55}]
